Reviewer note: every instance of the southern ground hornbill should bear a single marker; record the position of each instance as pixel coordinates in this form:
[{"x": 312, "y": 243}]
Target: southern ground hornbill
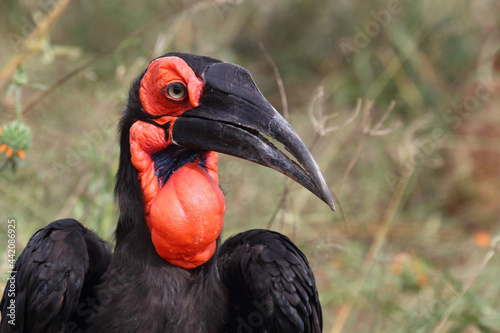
[{"x": 169, "y": 272}]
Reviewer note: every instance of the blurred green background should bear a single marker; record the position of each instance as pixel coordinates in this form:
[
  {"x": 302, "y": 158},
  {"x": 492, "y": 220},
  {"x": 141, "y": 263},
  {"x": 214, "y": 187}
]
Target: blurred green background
[{"x": 397, "y": 100}]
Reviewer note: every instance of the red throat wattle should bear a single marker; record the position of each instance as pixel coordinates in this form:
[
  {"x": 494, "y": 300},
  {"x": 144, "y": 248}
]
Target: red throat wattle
[{"x": 185, "y": 215}]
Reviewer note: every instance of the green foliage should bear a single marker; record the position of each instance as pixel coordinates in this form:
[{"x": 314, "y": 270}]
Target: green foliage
[
  {"x": 421, "y": 175},
  {"x": 16, "y": 135}
]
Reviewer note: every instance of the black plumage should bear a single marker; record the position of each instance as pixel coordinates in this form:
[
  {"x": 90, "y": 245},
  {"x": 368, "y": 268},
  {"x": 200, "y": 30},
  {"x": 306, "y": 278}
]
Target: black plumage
[
  {"x": 68, "y": 281},
  {"x": 269, "y": 284},
  {"x": 59, "y": 268}
]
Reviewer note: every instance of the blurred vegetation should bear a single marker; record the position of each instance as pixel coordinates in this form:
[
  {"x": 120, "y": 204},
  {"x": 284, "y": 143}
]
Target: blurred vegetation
[{"x": 410, "y": 150}]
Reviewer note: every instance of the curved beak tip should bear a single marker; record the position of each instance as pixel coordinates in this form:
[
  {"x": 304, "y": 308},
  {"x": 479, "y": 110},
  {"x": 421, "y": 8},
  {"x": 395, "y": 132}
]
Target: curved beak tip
[
  {"x": 233, "y": 118},
  {"x": 332, "y": 205},
  {"x": 327, "y": 196}
]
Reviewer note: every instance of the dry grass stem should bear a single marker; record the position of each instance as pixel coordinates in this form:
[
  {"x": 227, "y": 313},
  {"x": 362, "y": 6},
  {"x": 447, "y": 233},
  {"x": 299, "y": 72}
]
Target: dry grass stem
[
  {"x": 34, "y": 43},
  {"x": 411, "y": 247},
  {"x": 109, "y": 49},
  {"x": 286, "y": 184},
  {"x": 73, "y": 198},
  {"x": 372, "y": 254},
  {"x": 279, "y": 81},
  {"x": 487, "y": 257},
  {"x": 320, "y": 119},
  {"x": 376, "y": 131}
]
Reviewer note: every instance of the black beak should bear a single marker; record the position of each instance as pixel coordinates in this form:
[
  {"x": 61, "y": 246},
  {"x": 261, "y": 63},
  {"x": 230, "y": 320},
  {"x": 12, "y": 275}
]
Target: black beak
[{"x": 230, "y": 119}]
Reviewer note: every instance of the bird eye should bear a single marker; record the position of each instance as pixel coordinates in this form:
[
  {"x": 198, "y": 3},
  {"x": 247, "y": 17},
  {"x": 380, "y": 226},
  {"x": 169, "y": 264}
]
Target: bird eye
[{"x": 176, "y": 91}]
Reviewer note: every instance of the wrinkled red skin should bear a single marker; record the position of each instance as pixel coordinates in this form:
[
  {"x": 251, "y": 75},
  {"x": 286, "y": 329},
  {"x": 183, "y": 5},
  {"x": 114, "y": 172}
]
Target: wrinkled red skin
[{"x": 185, "y": 216}]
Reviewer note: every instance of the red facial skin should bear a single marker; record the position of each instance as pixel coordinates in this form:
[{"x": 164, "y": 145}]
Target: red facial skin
[{"x": 185, "y": 216}]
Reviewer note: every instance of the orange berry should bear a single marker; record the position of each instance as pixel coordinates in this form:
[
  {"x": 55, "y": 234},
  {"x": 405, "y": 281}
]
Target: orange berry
[
  {"x": 3, "y": 147},
  {"x": 397, "y": 268},
  {"x": 9, "y": 152},
  {"x": 482, "y": 239},
  {"x": 21, "y": 154},
  {"x": 422, "y": 280},
  {"x": 398, "y": 263}
]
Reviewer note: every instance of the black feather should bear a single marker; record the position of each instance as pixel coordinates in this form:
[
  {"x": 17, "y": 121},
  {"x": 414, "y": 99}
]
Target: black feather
[
  {"x": 67, "y": 280},
  {"x": 59, "y": 268},
  {"x": 270, "y": 284}
]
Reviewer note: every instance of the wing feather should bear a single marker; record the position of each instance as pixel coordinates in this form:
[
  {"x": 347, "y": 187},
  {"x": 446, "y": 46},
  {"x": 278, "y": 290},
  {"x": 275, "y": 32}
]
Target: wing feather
[
  {"x": 60, "y": 264},
  {"x": 270, "y": 285}
]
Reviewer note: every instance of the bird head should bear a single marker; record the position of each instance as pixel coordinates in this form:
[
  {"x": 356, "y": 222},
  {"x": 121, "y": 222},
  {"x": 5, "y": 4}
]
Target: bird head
[{"x": 182, "y": 111}]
